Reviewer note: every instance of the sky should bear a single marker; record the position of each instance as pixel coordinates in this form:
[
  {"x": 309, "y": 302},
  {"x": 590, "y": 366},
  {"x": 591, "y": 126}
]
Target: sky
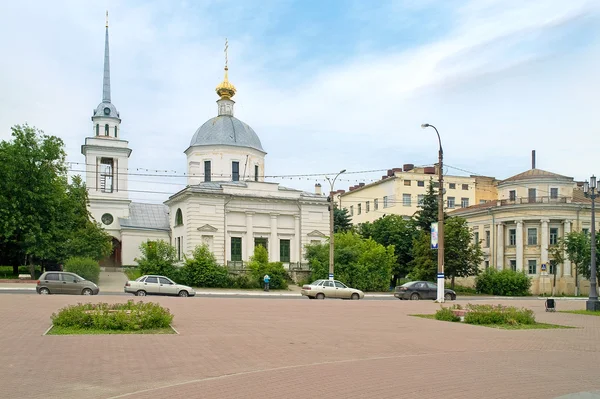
[{"x": 327, "y": 85}]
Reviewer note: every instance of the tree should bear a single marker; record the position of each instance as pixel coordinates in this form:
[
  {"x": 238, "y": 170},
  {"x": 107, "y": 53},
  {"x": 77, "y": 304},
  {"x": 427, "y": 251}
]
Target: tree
[
  {"x": 462, "y": 257},
  {"x": 424, "y": 263},
  {"x": 341, "y": 220},
  {"x": 259, "y": 265},
  {"x": 429, "y": 209},
  {"x": 202, "y": 270},
  {"x": 158, "y": 257},
  {"x": 577, "y": 247},
  {"x": 397, "y": 231}
]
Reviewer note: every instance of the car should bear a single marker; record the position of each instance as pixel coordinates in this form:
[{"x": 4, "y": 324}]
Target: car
[
  {"x": 65, "y": 283},
  {"x": 157, "y": 285},
  {"x": 416, "y": 290},
  {"x": 322, "y": 289}
]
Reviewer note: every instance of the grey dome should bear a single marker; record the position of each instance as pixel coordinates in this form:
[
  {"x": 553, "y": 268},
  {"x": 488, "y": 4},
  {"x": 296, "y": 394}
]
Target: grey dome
[
  {"x": 226, "y": 130},
  {"x": 99, "y": 111}
]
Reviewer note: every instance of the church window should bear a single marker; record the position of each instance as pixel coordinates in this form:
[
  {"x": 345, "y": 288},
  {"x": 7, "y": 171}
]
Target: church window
[
  {"x": 106, "y": 175},
  {"x": 236, "y": 249},
  {"x": 235, "y": 171},
  {"x": 207, "y": 171},
  {"x": 115, "y": 131},
  {"x": 106, "y": 129},
  {"x": 284, "y": 250},
  {"x": 178, "y": 218},
  {"x": 97, "y": 129},
  {"x": 255, "y": 172}
]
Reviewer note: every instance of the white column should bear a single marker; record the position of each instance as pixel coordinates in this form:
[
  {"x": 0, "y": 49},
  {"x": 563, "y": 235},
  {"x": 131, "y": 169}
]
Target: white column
[
  {"x": 545, "y": 243},
  {"x": 500, "y": 246},
  {"x": 566, "y": 262},
  {"x": 273, "y": 248},
  {"x": 519, "y": 245},
  {"x": 296, "y": 250},
  {"x": 249, "y": 234}
]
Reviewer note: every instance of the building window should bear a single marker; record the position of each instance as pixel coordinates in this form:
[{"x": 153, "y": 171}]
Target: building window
[
  {"x": 178, "y": 218},
  {"x": 532, "y": 266},
  {"x": 452, "y": 186},
  {"x": 512, "y": 237},
  {"x": 487, "y": 264},
  {"x": 255, "y": 172},
  {"x": 465, "y": 186},
  {"x": 406, "y": 199},
  {"x": 407, "y": 182},
  {"x": 106, "y": 129},
  {"x": 487, "y": 238},
  {"x": 450, "y": 202},
  {"x": 351, "y": 210},
  {"x": 532, "y": 194},
  {"x": 359, "y": 209},
  {"x": 585, "y": 231},
  {"x": 236, "y": 249},
  {"x": 115, "y": 131},
  {"x": 385, "y": 202},
  {"x": 554, "y": 193},
  {"x": 106, "y": 175},
  {"x": 178, "y": 243},
  {"x": 552, "y": 267},
  {"x": 553, "y": 235},
  {"x": 420, "y": 183},
  {"x": 476, "y": 237},
  {"x": 235, "y": 171},
  {"x": 284, "y": 251},
  {"x": 532, "y": 236},
  {"x": 207, "y": 171},
  {"x": 375, "y": 204},
  {"x": 464, "y": 202},
  {"x": 368, "y": 206},
  {"x": 482, "y": 201},
  {"x": 420, "y": 199},
  {"x": 512, "y": 195},
  {"x": 513, "y": 265},
  {"x": 97, "y": 129}
]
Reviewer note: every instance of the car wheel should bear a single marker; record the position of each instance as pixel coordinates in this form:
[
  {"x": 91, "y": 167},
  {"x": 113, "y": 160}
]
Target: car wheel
[
  {"x": 355, "y": 297},
  {"x": 415, "y": 297},
  {"x": 320, "y": 295},
  {"x": 183, "y": 293},
  {"x": 44, "y": 291},
  {"x": 141, "y": 293},
  {"x": 86, "y": 291},
  {"x": 448, "y": 297}
]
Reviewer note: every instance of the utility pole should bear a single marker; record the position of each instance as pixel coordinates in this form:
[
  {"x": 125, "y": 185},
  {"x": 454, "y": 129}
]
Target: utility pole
[{"x": 331, "y": 212}]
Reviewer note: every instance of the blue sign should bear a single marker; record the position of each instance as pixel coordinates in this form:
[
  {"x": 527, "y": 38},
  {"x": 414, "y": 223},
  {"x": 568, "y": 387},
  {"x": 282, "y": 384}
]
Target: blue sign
[
  {"x": 434, "y": 235},
  {"x": 331, "y": 276},
  {"x": 440, "y": 275}
]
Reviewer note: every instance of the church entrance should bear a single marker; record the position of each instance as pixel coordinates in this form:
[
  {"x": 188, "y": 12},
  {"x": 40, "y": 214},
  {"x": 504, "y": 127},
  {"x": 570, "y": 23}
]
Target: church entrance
[{"x": 114, "y": 259}]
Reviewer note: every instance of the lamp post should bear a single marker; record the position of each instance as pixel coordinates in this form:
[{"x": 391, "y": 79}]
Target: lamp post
[
  {"x": 331, "y": 211},
  {"x": 591, "y": 191},
  {"x": 440, "y": 273}
]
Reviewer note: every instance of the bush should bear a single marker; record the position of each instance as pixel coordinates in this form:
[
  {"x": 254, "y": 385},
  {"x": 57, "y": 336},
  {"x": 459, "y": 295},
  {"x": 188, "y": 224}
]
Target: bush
[
  {"x": 259, "y": 265},
  {"x": 446, "y": 314},
  {"x": 128, "y": 316},
  {"x": 87, "y": 268},
  {"x": 243, "y": 281},
  {"x": 158, "y": 257},
  {"x": 505, "y": 282},
  {"x": 461, "y": 289},
  {"x": 489, "y": 314},
  {"x": 202, "y": 270}
]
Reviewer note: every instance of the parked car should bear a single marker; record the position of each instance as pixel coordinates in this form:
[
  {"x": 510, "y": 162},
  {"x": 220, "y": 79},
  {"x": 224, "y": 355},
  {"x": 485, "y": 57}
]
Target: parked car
[
  {"x": 416, "y": 290},
  {"x": 65, "y": 283},
  {"x": 157, "y": 285},
  {"x": 321, "y": 289}
]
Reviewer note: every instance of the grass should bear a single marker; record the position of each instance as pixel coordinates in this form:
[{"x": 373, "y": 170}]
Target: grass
[
  {"x": 536, "y": 326},
  {"x": 582, "y": 311},
  {"x": 133, "y": 273},
  {"x": 94, "y": 331}
]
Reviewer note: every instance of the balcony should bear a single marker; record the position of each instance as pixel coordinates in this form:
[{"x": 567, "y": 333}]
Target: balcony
[{"x": 534, "y": 200}]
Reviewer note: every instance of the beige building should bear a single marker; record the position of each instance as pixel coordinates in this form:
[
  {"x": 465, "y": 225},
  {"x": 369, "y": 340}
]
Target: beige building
[
  {"x": 533, "y": 210},
  {"x": 402, "y": 190}
]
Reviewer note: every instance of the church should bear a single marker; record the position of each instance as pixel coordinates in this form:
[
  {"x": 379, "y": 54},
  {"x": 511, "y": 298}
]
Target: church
[{"x": 227, "y": 204}]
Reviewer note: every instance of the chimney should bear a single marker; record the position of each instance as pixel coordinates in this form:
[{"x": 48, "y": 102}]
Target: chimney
[
  {"x": 533, "y": 159},
  {"x": 318, "y": 189}
]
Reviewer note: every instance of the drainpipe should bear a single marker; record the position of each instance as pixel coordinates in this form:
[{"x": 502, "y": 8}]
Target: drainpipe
[
  {"x": 493, "y": 234},
  {"x": 225, "y": 230},
  {"x": 299, "y": 238}
]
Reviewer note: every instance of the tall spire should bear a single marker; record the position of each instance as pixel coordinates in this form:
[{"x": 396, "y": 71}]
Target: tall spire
[
  {"x": 106, "y": 81},
  {"x": 225, "y": 89}
]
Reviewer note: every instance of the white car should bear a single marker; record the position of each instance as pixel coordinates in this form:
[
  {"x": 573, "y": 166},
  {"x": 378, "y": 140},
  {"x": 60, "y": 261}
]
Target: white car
[
  {"x": 321, "y": 289},
  {"x": 157, "y": 285}
]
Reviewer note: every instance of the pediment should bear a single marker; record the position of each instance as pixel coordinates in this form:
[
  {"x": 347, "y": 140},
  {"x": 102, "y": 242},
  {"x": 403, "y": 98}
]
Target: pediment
[
  {"x": 207, "y": 227},
  {"x": 316, "y": 233}
]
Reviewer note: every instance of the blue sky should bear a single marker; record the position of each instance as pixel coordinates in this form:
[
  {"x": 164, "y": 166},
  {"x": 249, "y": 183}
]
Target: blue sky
[{"x": 327, "y": 85}]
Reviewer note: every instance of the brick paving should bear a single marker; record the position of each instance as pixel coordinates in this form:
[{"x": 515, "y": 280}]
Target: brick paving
[{"x": 272, "y": 348}]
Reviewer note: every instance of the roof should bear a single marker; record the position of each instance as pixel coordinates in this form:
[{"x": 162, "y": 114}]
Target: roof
[
  {"x": 536, "y": 174},
  {"x": 146, "y": 216},
  {"x": 226, "y": 130}
]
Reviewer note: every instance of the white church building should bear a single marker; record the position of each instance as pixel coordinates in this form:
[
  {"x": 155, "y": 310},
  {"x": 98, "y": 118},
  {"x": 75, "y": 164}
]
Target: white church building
[{"x": 226, "y": 204}]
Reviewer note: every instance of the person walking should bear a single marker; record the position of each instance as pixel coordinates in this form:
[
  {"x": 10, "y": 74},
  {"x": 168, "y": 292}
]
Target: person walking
[{"x": 266, "y": 280}]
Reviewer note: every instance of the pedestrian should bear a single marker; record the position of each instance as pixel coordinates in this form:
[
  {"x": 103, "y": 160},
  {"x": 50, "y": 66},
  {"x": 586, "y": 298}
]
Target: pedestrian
[{"x": 266, "y": 280}]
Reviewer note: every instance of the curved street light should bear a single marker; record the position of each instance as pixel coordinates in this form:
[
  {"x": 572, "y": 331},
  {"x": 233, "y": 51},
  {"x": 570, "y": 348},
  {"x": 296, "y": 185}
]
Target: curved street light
[
  {"x": 331, "y": 211},
  {"x": 590, "y": 190}
]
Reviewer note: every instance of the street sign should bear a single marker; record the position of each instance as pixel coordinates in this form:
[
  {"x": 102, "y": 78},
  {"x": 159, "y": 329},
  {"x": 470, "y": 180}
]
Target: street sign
[{"x": 434, "y": 235}]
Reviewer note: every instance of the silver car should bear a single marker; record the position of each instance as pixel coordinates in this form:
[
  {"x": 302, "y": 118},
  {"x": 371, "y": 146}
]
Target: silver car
[
  {"x": 65, "y": 283},
  {"x": 321, "y": 289},
  {"x": 157, "y": 285}
]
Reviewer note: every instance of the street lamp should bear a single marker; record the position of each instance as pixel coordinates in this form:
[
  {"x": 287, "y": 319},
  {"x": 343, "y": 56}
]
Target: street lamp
[
  {"x": 331, "y": 183},
  {"x": 590, "y": 191},
  {"x": 440, "y": 273}
]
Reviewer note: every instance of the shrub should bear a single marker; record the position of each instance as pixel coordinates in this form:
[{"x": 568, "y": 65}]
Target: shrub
[
  {"x": 489, "y": 314},
  {"x": 259, "y": 265},
  {"x": 243, "y": 281},
  {"x": 461, "y": 289},
  {"x": 128, "y": 316},
  {"x": 202, "y": 270},
  {"x": 445, "y": 314},
  {"x": 158, "y": 257},
  {"x": 505, "y": 282},
  {"x": 87, "y": 268}
]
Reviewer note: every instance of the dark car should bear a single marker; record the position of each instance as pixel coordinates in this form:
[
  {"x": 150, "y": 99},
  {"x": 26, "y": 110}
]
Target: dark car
[{"x": 416, "y": 290}]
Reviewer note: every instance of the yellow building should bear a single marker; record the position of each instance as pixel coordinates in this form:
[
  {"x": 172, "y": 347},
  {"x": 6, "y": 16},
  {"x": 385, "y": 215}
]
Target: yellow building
[
  {"x": 402, "y": 190},
  {"x": 517, "y": 230}
]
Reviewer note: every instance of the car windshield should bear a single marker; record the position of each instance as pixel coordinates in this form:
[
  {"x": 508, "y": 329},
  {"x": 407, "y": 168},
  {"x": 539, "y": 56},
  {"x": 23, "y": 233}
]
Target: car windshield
[
  {"x": 316, "y": 282},
  {"x": 140, "y": 278},
  {"x": 78, "y": 276},
  {"x": 410, "y": 284}
]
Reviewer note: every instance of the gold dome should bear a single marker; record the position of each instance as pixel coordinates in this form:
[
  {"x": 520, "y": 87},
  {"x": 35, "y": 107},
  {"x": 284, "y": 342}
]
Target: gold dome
[{"x": 225, "y": 89}]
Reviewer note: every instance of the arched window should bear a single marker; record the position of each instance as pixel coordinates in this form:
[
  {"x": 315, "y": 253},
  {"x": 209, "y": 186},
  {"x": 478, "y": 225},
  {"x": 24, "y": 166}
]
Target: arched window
[
  {"x": 178, "y": 218},
  {"x": 106, "y": 129},
  {"x": 97, "y": 129},
  {"x": 115, "y": 131}
]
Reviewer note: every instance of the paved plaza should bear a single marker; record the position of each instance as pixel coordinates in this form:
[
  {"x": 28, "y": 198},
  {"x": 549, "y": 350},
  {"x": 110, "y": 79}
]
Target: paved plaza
[{"x": 275, "y": 348}]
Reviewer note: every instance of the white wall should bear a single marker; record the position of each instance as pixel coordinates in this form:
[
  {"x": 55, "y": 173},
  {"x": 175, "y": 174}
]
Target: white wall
[
  {"x": 132, "y": 239},
  {"x": 221, "y": 158}
]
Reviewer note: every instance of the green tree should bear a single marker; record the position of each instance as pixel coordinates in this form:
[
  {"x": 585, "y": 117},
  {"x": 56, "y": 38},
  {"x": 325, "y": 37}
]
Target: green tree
[
  {"x": 158, "y": 257},
  {"x": 259, "y": 265},
  {"x": 577, "y": 246},
  {"x": 462, "y": 257},
  {"x": 202, "y": 270},
  {"x": 424, "y": 263},
  {"x": 428, "y": 212},
  {"x": 341, "y": 220},
  {"x": 361, "y": 263}
]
